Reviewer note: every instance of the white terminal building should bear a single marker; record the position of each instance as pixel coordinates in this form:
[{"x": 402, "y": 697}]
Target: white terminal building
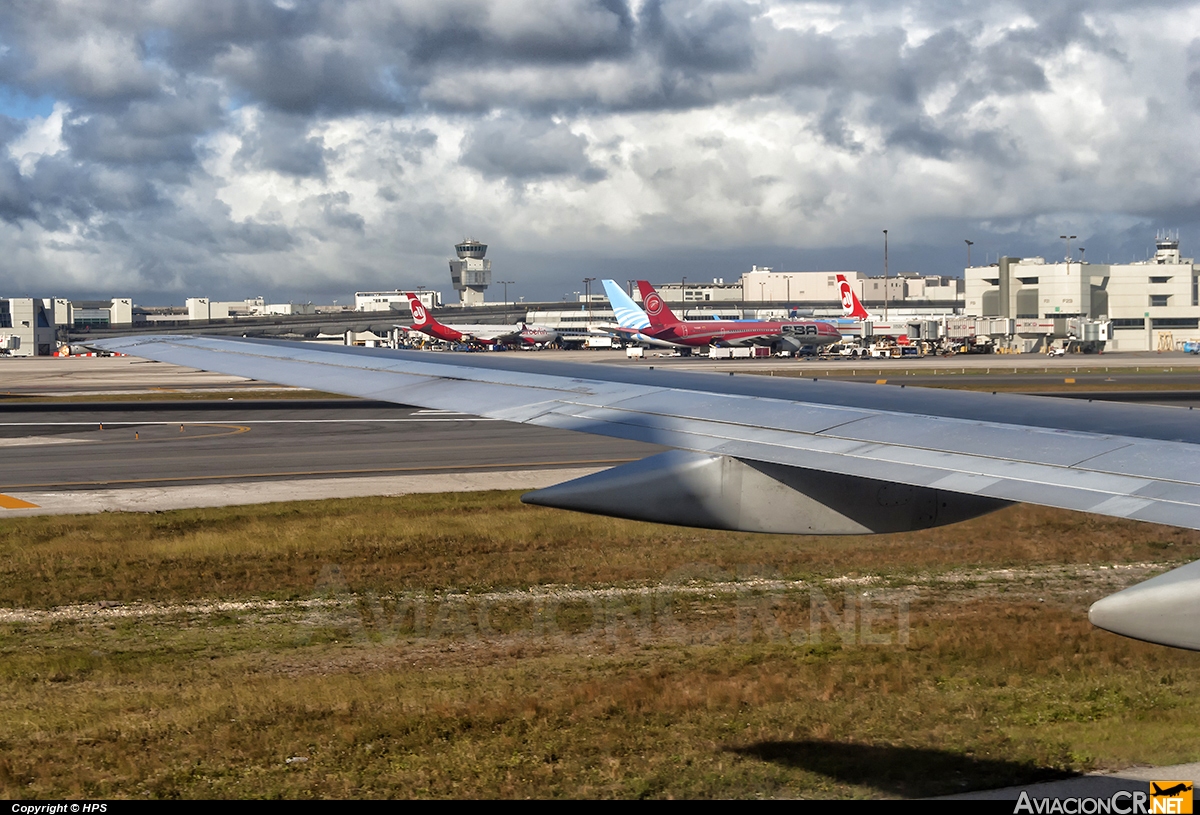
[
  {"x": 204, "y": 308},
  {"x": 763, "y": 292},
  {"x": 396, "y": 300},
  {"x": 1150, "y": 305},
  {"x": 28, "y": 325}
]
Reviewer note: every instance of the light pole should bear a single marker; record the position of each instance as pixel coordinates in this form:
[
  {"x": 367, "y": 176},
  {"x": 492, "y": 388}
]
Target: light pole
[
  {"x": 885, "y": 277},
  {"x": 1068, "y": 239},
  {"x": 587, "y": 295},
  {"x": 505, "y": 284},
  {"x": 969, "y": 245}
]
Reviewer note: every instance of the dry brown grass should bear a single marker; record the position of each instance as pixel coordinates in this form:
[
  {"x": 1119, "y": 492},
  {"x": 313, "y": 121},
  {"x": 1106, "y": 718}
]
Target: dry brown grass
[
  {"x": 481, "y": 540},
  {"x": 999, "y": 682}
]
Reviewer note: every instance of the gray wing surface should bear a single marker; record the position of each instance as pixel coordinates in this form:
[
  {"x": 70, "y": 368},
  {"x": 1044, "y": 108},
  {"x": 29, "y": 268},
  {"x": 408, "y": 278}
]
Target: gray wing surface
[
  {"x": 791, "y": 455},
  {"x": 1121, "y": 475}
]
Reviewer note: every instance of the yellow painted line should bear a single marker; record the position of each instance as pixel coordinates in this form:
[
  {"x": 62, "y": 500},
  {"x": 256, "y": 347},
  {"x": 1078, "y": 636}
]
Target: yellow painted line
[
  {"x": 226, "y": 430},
  {"x": 8, "y": 502},
  {"x": 880, "y": 381},
  {"x": 1068, "y": 381}
]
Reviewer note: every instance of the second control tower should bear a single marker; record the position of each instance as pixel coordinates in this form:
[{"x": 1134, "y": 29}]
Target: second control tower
[{"x": 471, "y": 274}]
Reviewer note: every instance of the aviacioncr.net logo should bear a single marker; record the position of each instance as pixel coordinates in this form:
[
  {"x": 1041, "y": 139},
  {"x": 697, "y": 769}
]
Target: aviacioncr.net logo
[{"x": 1164, "y": 798}]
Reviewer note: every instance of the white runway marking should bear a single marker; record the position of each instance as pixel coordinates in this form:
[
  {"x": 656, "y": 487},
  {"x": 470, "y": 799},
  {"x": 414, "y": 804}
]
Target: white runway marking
[
  {"x": 30, "y": 441},
  {"x": 22, "y": 502},
  {"x": 424, "y": 420}
]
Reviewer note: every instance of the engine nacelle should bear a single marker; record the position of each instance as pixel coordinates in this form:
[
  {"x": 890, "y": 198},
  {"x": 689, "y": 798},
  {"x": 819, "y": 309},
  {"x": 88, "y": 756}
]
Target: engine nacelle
[
  {"x": 720, "y": 492},
  {"x": 1163, "y": 610}
]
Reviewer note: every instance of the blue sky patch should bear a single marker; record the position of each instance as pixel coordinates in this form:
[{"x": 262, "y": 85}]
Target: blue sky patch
[{"x": 20, "y": 106}]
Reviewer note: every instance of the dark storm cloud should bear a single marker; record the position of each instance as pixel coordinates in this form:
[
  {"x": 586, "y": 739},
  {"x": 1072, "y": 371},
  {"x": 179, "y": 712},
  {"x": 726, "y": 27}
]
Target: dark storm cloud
[
  {"x": 161, "y": 130},
  {"x": 63, "y": 188},
  {"x": 334, "y": 212},
  {"x": 545, "y": 32},
  {"x": 16, "y": 203},
  {"x": 282, "y": 143},
  {"x": 1193, "y": 77},
  {"x": 322, "y": 58},
  {"x": 166, "y": 109},
  {"x": 701, "y": 36},
  {"x": 521, "y": 150},
  {"x": 312, "y": 75}
]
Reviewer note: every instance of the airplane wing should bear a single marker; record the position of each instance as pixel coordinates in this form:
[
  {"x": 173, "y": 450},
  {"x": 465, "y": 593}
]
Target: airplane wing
[{"x": 792, "y": 455}]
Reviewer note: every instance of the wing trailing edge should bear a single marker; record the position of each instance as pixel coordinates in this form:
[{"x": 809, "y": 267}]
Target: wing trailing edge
[{"x": 850, "y": 459}]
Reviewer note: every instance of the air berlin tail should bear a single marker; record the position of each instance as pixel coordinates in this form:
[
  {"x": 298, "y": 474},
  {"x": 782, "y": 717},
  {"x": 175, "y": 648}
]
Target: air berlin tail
[
  {"x": 660, "y": 316},
  {"x": 421, "y": 318},
  {"x": 852, "y": 307}
]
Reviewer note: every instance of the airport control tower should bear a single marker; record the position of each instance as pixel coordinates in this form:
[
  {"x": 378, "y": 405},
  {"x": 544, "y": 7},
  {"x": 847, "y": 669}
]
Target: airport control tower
[{"x": 471, "y": 273}]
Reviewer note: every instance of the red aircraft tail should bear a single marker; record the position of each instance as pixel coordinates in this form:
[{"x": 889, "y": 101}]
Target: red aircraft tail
[
  {"x": 421, "y": 316},
  {"x": 660, "y": 316},
  {"x": 851, "y": 306}
]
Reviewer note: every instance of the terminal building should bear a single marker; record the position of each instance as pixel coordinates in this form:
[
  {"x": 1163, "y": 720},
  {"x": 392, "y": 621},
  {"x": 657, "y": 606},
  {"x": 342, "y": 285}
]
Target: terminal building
[
  {"x": 203, "y": 308},
  {"x": 765, "y": 293},
  {"x": 29, "y": 325},
  {"x": 394, "y": 300},
  {"x": 1150, "y": 305}
]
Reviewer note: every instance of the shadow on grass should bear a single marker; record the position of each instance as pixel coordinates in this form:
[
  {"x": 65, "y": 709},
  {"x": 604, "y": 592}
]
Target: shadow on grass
[{"x": 908, "y": 772}]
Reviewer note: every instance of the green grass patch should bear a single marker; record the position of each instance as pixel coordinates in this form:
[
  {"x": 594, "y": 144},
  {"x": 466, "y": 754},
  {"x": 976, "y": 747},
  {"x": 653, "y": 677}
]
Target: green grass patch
[
  {"x": 489, "y": 539},
  {"x": 466, "y": 645}
]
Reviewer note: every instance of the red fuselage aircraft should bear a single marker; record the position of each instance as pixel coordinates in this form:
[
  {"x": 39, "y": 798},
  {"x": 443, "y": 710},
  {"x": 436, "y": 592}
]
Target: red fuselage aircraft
[
  {"x": 425, "y": 322},
  {"x": 665, "y": 326}
]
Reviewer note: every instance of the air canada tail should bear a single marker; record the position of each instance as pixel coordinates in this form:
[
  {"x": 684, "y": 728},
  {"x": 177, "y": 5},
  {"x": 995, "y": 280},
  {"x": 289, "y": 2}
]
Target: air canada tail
[
  {"x": 660, "y": 316},
  {"x": 852, "y": 307},
  {"x": 421, "y": 316}
]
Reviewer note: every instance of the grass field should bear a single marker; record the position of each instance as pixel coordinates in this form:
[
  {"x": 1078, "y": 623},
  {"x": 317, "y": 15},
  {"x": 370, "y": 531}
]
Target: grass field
[{"x": 468, "y": 645}]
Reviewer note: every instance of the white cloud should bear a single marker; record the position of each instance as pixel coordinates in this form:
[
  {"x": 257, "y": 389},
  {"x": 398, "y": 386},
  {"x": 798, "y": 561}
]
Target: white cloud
[
  {"x": 42, "y": 137},
  {"x": 357, "y": 141}
]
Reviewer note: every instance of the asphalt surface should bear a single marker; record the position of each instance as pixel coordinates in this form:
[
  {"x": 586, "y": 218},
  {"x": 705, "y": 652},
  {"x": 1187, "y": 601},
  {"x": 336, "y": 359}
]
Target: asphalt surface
[
  {"x": 88, "y": 446},
  {"x": 93, "y": 446}
]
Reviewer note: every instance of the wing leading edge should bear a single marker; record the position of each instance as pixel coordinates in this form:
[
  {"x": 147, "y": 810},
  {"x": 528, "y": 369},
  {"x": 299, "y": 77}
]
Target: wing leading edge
[
  {"x": 788, "y": 433},
  {"x": 1119, "y": 475}
]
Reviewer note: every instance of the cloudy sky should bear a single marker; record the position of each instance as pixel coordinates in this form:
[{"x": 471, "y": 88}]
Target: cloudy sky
[{"x": 303, "y": 149}]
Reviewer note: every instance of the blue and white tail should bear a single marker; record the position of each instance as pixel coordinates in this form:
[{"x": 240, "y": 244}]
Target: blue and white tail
[{"x": 628, "y": 314}]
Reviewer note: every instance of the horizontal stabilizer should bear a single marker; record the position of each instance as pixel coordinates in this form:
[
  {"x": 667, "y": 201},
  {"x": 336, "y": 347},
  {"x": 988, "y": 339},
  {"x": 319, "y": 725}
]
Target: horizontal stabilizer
[
  {"x": 722, "y": 492},
  {"x": 1163, "y": 609}
]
